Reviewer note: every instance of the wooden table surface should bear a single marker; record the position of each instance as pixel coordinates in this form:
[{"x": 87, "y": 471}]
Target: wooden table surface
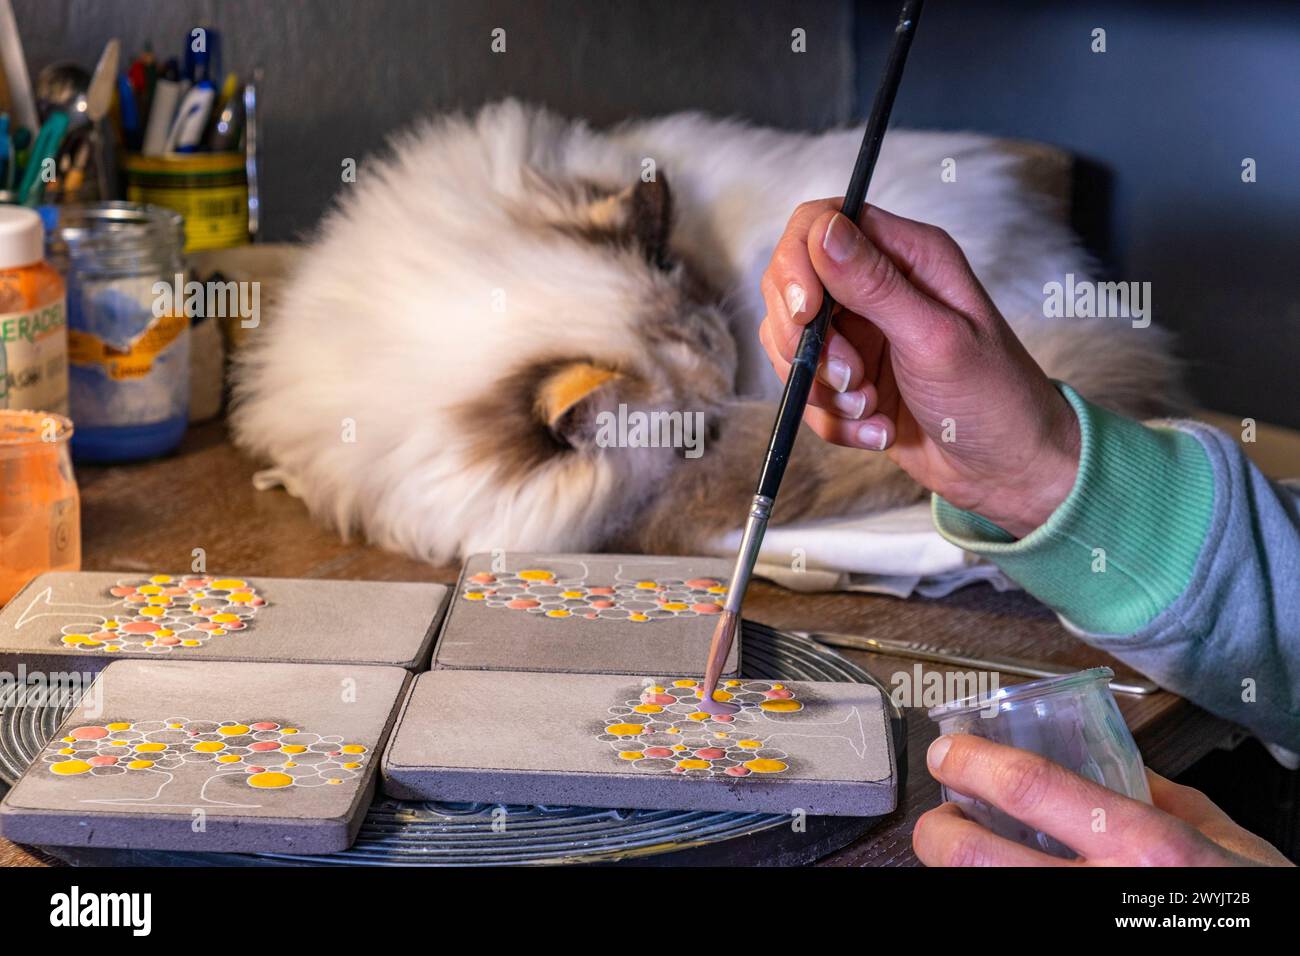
[{"x": 153, "y": 515}]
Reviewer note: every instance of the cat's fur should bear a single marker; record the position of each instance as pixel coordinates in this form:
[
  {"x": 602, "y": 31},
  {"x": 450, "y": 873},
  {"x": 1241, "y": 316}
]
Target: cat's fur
[{"x": 480, "y": 295}]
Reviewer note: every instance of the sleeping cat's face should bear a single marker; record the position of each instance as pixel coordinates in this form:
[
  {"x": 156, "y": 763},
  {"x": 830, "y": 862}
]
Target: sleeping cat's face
[{"x": 669, "y": 347}]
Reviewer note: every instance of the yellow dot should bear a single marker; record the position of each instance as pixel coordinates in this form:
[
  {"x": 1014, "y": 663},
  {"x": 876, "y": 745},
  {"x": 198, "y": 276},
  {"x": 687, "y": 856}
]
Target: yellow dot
[
  {"x": 760, "y": 765},
  {"x": 289, "y": 730},
  {"x": 139, "y": 765},
  {"x": 149, "y": 589},
  {"x": 778, "y": 687},
  {"x": 646, "y": 585},
  {"x": 242, "y": 597},
  {"x": 83, "y": 639},
  {"x": 233, "y": 730},
  {"x": 224, "y": 618},
  {"x": 112, "y": 647},
  {"x": 351, "y": 766},
  {"x": 111, "y": 625},
  {"x": 228, "y": 584},
  {"x": 648, "y": 709},
  {"x": 161, "y": 579},
  {"x": 161, "y": 600},
  {"x": 209, "y": 746},
  {"x": 152, "y": 611},
  {"x": 631, "y": 754},
  {"x": 571, "y": 595},
  {"x": 150, "y": 748},
  {"x": 684, "y": 683},
  {"x": 474, "y": 596},
  {"x": 674, "y": 606},
  {"x": 672, "y": 730},
  {"x": 290, "y": 763},
  {"x": 293, "y": 748},
  {"x": 717, "y": 589},
  {"x": 653, "y": 690},
  {"x": 119, "y": 743},
  {"x": 731, "y": 683},
  {"x": 721, "y": 736},
  {"x": 199, "y": 594},
  {"x": 698, "y": 715},
  {"x": 719, "y": 695},
  {"x": 625, "y": 730},
  {"x": 148, "y": 643},
  {"x": 218, "y": 631},
  {"x": 229, "y": 758},
  {"x": 195, "y": 608},
  {"x": 119, "y": 725},
  {"x": 164, "y": 632},
  {"x": 67, "y": 768},
  {"x": 536, "y": 574},
  {"x": 270, "y": 780},
  {"x": 334, "y": 780},
  {"x": 637, "y": 616},
  {"x": 693, "y": 764},
  {"x": 557, "y": 612},
  {"x": 679, "y": 747},
  {"x": 781, "y": 706},
  {"x": 749, "y": 744},
  {"x": 193, "y": 643},
  {"x": 69, "y": 740},
  {"x": 174, "y": 726},
  {"x": 353, "y": 749},
  {"x": 66, "y": 751}
]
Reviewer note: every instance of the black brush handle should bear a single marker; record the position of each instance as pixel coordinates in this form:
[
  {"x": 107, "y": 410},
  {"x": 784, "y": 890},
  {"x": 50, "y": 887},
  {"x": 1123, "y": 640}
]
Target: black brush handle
[{"x": 803, "y": 370}]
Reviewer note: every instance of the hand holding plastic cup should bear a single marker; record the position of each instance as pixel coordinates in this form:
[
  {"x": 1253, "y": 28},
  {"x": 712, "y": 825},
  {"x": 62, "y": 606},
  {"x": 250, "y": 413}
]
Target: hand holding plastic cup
[{"x": 1071, "y": 720}]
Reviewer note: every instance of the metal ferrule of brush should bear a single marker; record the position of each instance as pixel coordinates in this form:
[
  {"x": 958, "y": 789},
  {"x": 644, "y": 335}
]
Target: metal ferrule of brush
[{"x": 760, "y": 509}]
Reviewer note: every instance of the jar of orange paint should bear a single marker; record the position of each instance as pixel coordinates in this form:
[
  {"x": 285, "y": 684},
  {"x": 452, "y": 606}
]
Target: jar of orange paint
[
  {"x": 40, "y": 510},
  {"x": 33, "y": 317}
]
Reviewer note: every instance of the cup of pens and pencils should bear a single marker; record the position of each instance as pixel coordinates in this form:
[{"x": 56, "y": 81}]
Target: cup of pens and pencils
[{"x": 130, "y": 165}]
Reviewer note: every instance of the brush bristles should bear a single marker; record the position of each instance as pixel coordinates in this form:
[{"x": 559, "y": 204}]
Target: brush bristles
[{"x": 723, "y": 635}]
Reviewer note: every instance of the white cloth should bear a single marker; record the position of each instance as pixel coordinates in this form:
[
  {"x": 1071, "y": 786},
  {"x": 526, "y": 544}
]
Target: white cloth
[{"x": 894, "y": 552}]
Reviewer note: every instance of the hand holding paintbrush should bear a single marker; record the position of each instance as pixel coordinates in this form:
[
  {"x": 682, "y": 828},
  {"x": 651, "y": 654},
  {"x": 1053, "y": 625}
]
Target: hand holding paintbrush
[{"x": 803, "y": 371}]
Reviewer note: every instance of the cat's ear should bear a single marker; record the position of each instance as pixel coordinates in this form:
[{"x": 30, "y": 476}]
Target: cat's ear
[
  {"x": 650, "y": 218},
  {"x": 643, "y": 213},
  {"x": 570, "y": 397}
]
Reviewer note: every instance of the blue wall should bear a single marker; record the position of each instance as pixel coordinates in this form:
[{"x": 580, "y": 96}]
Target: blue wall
[{"x": 1184, "y": 92}]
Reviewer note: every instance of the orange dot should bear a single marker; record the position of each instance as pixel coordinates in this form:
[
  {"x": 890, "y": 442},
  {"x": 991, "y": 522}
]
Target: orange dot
[
  {"x": 625, "y": 730},
  {"x": 781, "y": 706}
]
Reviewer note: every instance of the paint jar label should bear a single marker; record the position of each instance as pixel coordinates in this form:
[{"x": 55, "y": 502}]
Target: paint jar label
[
  {"x": 138, "y": 382},
  {"x": 34, "y": 367}
]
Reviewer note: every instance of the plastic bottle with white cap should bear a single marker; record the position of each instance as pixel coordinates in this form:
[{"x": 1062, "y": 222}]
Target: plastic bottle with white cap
[{"x": 33, "y": 318}]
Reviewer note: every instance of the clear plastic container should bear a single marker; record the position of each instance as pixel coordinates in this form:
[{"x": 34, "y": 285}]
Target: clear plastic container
[{"x": 1072, "y": 720}]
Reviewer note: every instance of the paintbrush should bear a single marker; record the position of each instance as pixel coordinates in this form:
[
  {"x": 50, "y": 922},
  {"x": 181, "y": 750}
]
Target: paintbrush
[{"x": 802, "y": 371}]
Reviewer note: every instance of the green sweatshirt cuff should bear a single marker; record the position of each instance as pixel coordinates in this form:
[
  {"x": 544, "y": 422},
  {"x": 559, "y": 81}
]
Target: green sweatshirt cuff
[{"x": 1122, "y": 547}]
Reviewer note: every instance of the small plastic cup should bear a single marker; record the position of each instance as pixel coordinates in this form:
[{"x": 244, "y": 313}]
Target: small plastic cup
[{"x": 1072, "y": 720}]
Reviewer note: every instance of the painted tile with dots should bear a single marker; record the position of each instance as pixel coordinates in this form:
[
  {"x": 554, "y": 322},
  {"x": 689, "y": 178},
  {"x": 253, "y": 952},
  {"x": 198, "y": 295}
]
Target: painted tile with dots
[
  {"x": 547, "y": 593},
  {"x": 164, "y": 613},
  {"x": 663, "y": 730}
]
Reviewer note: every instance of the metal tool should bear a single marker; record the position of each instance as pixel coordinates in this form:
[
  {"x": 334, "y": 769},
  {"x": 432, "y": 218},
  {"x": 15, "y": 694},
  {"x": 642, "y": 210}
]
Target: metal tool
[
  {"x": 99, "y": 98},
  {"x": 1139, "y": 686}
]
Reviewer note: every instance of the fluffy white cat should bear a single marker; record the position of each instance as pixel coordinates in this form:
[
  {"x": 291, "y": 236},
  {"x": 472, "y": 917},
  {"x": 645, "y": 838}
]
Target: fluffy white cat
[{"x": 433, "y": 370}]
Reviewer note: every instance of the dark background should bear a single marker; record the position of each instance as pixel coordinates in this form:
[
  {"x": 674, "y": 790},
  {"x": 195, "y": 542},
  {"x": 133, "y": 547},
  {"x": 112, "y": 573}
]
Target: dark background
[{"x": 1162, "y": 120}]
